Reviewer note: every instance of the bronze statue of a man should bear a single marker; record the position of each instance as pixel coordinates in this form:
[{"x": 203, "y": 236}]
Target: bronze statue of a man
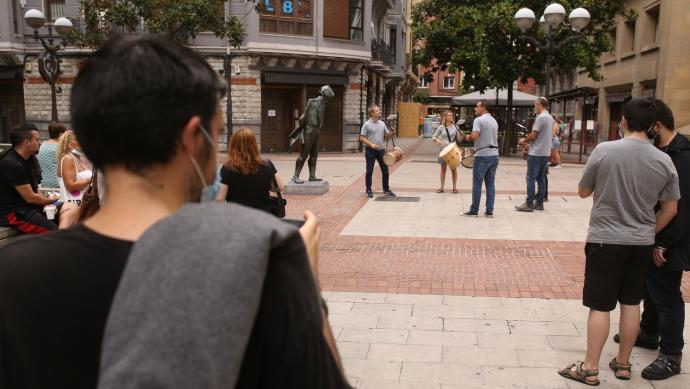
[{"x": 308, "y": 133}]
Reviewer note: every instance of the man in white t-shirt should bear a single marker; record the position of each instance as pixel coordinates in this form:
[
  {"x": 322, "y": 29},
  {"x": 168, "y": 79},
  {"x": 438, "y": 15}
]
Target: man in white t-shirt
[
  {"x": 485, "y": 137},
  {"x": 539, "y": 152},
  {"x": 373, "y": 136}
]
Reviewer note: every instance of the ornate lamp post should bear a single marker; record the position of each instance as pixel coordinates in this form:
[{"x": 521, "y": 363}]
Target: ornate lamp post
[
  {"x": 49, "y": 60},
  {"x": 551, "y": 22}
]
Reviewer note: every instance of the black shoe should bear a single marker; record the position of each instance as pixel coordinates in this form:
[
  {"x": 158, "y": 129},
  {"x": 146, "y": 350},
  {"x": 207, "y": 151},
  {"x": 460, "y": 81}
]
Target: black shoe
[
  {"x": 663, "y": 367},
  {"x": 370, "y": 194},
  {"x": 648, "y": 341},
  {"x": 389, "y": 193},
  {"x": 470, "y": 213},
  {"x": 524, "y": 207},
  {"x": 546, "y": 199},
  {"x": 539, "y": 206},
  {"x": 489, "y": 214}
]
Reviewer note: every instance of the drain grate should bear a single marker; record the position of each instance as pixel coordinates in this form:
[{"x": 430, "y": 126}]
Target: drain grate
[{"x": 398, "y": 199}]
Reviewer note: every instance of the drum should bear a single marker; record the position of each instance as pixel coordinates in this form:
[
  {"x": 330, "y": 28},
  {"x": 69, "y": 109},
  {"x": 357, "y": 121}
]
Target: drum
[
  {"x": 467, "y": 158},
  {"x": 451, "y": 155},
  {"x": 393, "y": 156}
]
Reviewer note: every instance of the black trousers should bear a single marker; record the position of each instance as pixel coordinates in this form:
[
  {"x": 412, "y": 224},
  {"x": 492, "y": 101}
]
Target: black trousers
[
  {"x": 372, "y": 156},
  {"x": 664, "y": 309}
]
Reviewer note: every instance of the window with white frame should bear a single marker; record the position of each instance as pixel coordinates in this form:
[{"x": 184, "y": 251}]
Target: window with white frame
[
  {"x": 423, "y": 82},
  {"x": 449, "y": 82}
]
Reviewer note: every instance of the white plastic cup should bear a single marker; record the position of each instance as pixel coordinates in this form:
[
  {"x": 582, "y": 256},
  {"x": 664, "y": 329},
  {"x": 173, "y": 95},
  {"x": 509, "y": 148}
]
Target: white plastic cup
[{"x": 50, "y": 211}]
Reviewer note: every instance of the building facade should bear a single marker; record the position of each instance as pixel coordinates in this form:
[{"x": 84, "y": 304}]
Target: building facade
[
  {"x": 650, "y": 59},
  {"x": 292, "y": 48}
]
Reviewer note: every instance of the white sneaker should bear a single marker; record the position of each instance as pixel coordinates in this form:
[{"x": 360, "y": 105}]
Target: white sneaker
[{"x": 556, "y": 166}]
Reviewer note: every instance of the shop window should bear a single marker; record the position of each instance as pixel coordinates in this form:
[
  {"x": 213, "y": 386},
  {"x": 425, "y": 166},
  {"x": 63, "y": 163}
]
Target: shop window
[
  {"x": 288, "y": 17},
  {"x": 449, "y": 82},
  {"x": 343, "y": 19},
  {"x": 54, "y": 9}
]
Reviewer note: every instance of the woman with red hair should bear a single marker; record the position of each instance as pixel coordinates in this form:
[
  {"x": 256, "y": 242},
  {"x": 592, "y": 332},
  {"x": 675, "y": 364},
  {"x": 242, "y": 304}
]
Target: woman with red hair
[{"x": 246, "y": 178}]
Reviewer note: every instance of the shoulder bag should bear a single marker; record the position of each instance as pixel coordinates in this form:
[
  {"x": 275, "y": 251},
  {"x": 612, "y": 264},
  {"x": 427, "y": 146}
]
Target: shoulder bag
[
  {"x": 89, "y": 201},
  {"x": 277, "y": 202}
]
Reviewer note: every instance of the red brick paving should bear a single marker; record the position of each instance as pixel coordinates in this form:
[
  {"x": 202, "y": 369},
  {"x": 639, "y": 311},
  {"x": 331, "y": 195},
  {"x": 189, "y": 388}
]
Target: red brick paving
[{"x": 536, "y": 269}]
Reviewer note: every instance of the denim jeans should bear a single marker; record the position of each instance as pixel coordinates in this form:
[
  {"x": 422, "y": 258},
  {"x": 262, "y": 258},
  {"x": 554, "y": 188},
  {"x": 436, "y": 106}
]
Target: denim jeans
[
  {"x": 371, "y": 156},
  {"x": 484, "y": 170},
  {"x": 664, "y": 309},
  {"x": 536, "y": 172}
]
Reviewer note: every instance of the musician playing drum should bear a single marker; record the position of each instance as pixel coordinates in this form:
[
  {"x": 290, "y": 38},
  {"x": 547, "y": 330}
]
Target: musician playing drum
[
  {"x": 444, "y": 135},
  {"x": 373, "y": 136},
  {"x": 485, "y": 137}
]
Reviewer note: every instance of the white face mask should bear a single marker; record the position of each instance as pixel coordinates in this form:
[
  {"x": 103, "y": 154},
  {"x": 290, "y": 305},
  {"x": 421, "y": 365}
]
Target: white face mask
[{"x": 208, "y": 192}]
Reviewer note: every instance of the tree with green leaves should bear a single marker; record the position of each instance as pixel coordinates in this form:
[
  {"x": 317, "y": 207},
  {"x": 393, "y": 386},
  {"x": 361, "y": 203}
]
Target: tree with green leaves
[
  {"x": 180, "y": 20},
  {"x": 481, "y": 39}
]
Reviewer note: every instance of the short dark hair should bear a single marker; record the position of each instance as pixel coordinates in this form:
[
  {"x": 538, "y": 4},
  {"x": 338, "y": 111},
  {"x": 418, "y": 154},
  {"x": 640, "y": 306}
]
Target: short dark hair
[
  {"x": 56, "y": 129},
  {"x": 133, "y": 97},
  {"x": 487, "y": 106},
  {"x": 640, "y": 114},
  {"x": 21, "y": 133},
  {"x": 664, "y": 115}
]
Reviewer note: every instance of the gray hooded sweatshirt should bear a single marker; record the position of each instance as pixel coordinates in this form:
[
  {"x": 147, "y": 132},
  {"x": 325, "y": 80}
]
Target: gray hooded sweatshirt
[{"x": 184, "y": 310}]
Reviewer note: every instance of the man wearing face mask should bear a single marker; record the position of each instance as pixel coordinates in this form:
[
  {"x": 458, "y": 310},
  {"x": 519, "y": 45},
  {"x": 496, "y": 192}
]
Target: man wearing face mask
[
  {"x": 628, "y": 178},
  {"x": 664, "y": 309},
  {"x": 215, "y": 292}
]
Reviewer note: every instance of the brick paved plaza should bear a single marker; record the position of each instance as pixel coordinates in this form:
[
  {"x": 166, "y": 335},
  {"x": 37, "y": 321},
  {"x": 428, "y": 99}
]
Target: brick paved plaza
[{"x": 421, "y": 297}]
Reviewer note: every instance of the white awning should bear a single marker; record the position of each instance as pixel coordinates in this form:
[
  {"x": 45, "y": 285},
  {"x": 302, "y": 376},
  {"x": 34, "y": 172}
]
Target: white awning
[{"x": 520, "y": 99}]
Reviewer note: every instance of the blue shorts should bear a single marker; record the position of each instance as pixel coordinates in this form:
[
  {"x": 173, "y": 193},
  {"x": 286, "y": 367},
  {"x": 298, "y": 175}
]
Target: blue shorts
[{"x": 556, "y": 143}]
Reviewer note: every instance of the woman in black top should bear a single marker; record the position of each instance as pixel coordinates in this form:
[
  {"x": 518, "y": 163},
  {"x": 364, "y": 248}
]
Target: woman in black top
[{"x": 246, "y": 178}]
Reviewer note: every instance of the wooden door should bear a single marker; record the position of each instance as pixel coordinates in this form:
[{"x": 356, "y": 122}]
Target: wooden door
[
  {"x": 277, "y": 117},
  {"x": 11, "y": 107}
]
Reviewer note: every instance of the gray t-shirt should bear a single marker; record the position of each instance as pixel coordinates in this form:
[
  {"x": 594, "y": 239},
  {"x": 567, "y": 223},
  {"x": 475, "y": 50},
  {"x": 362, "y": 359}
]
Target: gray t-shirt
[
  {"x": 487, "y": 127},
  {"x": 541, "y": 146},
  {"x": 628, "y": 176},
  {"x": 375, "y": 132},
  {"x": 442, "y": 136}
]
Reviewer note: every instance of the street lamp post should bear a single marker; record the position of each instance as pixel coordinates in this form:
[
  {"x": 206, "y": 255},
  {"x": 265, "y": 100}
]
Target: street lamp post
[
  {"x": 49, "y": 60},
  {"x": 551, "y": 22}
]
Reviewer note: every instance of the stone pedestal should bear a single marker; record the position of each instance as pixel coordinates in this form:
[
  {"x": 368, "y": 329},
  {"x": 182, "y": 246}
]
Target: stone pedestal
[{"x": 308, "y": 188}]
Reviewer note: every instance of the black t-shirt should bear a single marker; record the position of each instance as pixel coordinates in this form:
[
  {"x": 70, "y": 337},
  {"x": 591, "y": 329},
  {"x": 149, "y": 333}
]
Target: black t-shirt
[
  {"x": 287, "y": 348},
  {"x": 250, "y": 190},
  {"x": 15, "y": 171},
  {"x": 55, "y": 294}
]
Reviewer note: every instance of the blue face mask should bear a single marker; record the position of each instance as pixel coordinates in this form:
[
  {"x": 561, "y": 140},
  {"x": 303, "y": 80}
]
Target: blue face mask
[{"x": 209, "y": 192}]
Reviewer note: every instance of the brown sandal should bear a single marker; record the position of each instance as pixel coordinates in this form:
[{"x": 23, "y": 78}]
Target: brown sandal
[
  {"x": 455, "y": 191},
  {"x": 616, "y": 367},
  {"x": 439, "y": 191},
  {"x": 579, "y": 374}
]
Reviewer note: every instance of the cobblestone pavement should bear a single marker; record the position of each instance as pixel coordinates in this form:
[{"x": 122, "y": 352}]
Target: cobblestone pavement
[
  {"x": 372, "y": 246},
  {"x": 421, "y": 297}
]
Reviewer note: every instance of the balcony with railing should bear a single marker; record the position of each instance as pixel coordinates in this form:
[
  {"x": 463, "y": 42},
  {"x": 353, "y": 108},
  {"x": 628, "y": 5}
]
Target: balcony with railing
[
  {"x": 382, "y": 55},
  {"x": 80, "y": 27}
]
